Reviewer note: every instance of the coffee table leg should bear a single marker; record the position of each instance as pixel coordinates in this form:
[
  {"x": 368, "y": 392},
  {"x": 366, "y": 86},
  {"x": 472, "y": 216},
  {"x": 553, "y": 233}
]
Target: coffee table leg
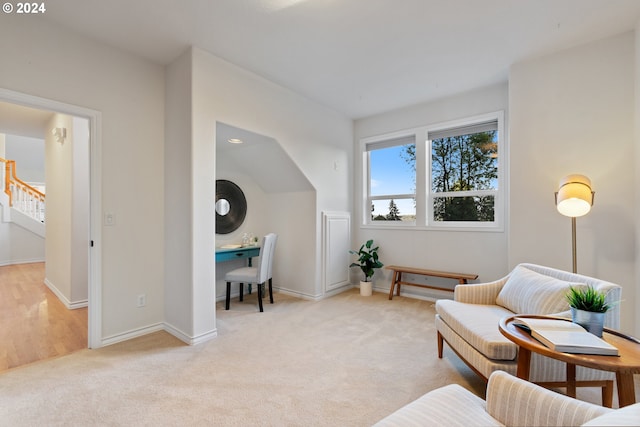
[
  {"x": 571, "y": 380},
  {"x": 607, "y": 394},
  {"x": 626, "y": 390},
  {"x": 524, "y": 363}
]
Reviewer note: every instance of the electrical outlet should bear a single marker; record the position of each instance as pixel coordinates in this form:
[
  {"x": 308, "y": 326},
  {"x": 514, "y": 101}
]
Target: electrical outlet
[{"x": 142, "y": 300}]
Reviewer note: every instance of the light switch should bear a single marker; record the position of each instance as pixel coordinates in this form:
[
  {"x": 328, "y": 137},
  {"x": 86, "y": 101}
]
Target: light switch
[{"x": 109, "y": 219}]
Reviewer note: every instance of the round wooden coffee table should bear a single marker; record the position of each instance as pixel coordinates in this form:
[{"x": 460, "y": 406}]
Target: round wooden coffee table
[{"x": 624, "y": 365}]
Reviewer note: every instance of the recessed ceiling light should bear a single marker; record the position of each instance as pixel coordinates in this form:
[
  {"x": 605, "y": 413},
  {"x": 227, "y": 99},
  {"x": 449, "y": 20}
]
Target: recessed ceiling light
[{"x": 235, "y": 141}]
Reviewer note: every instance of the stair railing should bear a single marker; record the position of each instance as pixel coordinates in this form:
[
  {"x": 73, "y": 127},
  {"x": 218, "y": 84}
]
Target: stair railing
[{"x": 22, "y": 196}]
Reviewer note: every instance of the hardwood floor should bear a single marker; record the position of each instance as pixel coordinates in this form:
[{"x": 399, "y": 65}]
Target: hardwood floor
[{"x": 34, "y": 324}]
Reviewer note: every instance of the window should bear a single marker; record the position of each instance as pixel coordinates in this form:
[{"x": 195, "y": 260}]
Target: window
[
  {"x": 441, "y": 176},
  {"x": 464, "y": 172},
  {"x": 392, "y": 180}
]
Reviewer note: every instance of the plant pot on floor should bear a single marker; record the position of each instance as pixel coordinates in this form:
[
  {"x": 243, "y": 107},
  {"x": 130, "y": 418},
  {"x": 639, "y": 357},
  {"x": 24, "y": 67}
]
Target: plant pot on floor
[
  {"x": 590, "y": 320},
  {"x": 366, "y": 289}
]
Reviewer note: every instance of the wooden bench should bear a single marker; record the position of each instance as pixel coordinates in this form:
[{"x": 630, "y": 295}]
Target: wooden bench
[{"x": 397, "y": 281}]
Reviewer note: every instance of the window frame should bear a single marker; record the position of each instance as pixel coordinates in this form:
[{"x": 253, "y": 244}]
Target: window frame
[
  {"x": 424, "y": 194},
  {"x": 386, "y": 141}
]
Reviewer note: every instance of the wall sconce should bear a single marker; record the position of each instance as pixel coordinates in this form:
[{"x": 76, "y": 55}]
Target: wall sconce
[
  {"x": 574, "y": 198},
  {"x": 60, "y": 134}
]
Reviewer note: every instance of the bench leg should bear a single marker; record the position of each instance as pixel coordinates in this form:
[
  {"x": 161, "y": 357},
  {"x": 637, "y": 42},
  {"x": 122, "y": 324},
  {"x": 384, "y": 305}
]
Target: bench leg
[
  {"x": 393, "y": 284},
  {"x": 399, "y": 279}
]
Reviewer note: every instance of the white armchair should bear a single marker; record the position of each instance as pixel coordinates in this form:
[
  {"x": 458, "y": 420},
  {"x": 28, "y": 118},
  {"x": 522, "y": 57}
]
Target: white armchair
[{"x": 510, "y": 402}]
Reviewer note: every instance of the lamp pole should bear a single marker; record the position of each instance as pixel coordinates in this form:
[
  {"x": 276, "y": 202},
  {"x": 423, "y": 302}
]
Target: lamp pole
[{"x": 573, "y": 244}]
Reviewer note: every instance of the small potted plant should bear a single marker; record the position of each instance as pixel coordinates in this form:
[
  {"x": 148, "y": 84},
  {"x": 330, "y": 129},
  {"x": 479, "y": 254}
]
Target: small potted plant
[
  {"x": 367, "y": 261},
  {"x": 588, "y": 308}
]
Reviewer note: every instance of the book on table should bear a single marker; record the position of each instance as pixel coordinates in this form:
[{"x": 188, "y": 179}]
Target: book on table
[{"x": 565, "y": 336}]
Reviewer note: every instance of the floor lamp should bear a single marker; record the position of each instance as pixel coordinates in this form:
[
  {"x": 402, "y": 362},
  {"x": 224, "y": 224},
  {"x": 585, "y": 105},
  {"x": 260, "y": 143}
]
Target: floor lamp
[{"x": 574, "y": 198}]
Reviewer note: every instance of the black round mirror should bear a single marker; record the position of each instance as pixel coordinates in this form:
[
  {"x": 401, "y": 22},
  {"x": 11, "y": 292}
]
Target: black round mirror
[{"x": 231, "y": 206}]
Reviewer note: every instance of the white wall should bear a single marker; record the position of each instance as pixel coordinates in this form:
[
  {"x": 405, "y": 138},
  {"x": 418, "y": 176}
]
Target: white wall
[
  {"x": 573, "y": 112},
  {"x": 129, "y": 92},
  {"x": 290, "y": 215},
  {"x": 178, "y": 228},
  {"x": 313, "y": 136},
  {"x": 29, "y": 156},
  {"x": 80, "y": 211},
  {"x": 636, "y": 116},
  {"x": 17, "y": 245},
  {"x": 482, "y": 253},
  {"x": 59, "y": 200}
]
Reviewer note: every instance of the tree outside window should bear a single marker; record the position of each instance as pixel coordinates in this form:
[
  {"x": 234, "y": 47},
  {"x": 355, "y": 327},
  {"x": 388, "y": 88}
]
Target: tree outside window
[
  {"x": 392, "y": 180},
  {"x": 463, "y": 169}
]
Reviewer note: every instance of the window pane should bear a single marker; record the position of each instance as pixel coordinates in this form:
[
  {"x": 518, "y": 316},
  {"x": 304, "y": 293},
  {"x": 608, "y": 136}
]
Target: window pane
[
  {"x": 465, "y": 162},
  {"x": 393, "y": 210},
  {"x": 393, "y": 170},
  {"x": 471, "y": 208}
]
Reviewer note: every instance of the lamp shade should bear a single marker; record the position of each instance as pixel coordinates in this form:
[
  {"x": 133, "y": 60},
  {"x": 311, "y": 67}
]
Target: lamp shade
[{"x": 574, "y": 197}]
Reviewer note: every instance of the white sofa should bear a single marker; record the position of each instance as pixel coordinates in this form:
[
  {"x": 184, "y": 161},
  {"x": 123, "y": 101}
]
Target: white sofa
[
  {"x": 510, "y": 402},
  {"x": 469, "y": 322}
]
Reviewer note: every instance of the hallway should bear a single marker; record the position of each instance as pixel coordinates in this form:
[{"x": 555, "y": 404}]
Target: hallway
[{"x": 34, "y": 324}]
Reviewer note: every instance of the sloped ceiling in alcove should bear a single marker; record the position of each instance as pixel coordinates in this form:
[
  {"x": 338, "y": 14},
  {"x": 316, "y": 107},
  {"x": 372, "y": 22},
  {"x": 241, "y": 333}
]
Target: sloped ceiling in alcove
[{"x": 259, "y": 157}]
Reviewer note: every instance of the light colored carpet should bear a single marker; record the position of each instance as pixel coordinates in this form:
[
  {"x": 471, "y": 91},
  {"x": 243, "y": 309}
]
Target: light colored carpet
[{"x": 344, "y": 361}]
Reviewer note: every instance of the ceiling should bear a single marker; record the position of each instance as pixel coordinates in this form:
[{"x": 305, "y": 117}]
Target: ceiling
[
  {"x": 19, "y": 120},
  {"x": 359, "y": 57},
  {"x": 260, "y": 157}
]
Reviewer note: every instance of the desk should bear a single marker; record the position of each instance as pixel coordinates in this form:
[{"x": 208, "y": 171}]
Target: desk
[
  {"x": 627, "y": 364},
  {"x": 224, "y": 254},
  {"x": 397, "y": 277}
]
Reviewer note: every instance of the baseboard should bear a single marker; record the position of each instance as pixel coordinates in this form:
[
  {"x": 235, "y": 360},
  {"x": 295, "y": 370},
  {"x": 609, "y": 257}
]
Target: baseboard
[
  {"x": 424, "y": 297},
  {"x": 276, "y": 290},
  {"x": 21, "y": 261},
  {"x": 134, "y": 333},
  {"x": 71, "y": 305},
  {"x": 187, "y": 339}
]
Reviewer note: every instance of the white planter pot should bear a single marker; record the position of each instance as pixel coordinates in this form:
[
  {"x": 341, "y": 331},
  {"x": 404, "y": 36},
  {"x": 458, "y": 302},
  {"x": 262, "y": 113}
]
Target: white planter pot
[{"x": 366, "y": 289}]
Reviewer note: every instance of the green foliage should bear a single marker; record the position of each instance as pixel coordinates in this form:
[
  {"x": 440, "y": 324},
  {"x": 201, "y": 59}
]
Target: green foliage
[
  {"x": 367, "y": 259},
  {"x": 587, "y": 299},
  {"x": 464, "y": 163},
  {"x": 394, "y": 212}
]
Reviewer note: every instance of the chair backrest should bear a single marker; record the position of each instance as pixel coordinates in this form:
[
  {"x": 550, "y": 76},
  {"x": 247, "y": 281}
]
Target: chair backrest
[
  {"x": 273, "y": 250},
  {"x": 266, "y": 257}
]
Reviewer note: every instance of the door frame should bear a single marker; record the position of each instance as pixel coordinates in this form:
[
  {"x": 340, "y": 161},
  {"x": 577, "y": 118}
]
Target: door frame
[{"x": 94, "y": 332}]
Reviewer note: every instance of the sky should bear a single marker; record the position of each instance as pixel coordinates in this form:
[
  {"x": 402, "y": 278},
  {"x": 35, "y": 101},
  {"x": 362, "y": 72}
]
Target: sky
[{"x": 391, "y": 174}]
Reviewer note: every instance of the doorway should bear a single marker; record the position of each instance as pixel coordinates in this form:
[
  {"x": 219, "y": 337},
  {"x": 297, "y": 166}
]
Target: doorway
[{"x": 92, "y": 249}]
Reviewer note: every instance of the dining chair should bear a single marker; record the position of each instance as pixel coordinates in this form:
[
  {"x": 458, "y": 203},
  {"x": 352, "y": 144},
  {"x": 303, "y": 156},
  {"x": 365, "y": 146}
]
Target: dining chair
[{"x": 258, "y": 274}]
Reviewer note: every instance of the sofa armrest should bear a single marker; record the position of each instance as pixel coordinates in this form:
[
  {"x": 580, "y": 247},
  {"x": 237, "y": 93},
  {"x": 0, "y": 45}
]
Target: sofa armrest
[
  {"x": 515, "y": 402},
  {"x": 479, "y": 293},
  {"x": 441, "y": 407}
]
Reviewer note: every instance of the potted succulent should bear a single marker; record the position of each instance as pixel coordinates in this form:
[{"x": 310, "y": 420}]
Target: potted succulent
[
  {"x": 588, "y": 308},
  {"x": 367, "y": 261}
]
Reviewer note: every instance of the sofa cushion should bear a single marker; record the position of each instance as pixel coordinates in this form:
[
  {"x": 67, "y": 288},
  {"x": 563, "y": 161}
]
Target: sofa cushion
[
  {"x": 477, "y": 324},
  {"x": 627, "y": 416},
  {"x": 529, "y": 292}
]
